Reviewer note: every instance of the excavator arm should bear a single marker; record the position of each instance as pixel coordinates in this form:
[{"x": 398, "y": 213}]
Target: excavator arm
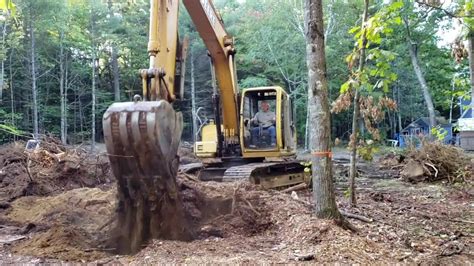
[
  {"x": 221, "y": 49},
  {"x": 142, "y": 137}
]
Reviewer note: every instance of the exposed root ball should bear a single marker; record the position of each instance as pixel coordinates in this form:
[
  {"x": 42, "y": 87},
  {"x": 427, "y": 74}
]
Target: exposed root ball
[{"x": 435, "y": 161}]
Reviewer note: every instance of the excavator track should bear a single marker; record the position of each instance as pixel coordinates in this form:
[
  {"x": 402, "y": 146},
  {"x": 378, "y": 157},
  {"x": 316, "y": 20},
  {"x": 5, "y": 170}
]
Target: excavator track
[
  {"x": 142, "y": 140},
  {"x": 266, "y": 174}
]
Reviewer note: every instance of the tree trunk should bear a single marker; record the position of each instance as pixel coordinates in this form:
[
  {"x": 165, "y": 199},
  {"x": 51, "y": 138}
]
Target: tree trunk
[
  {"x": 320, "y": 135},
  {"x": 93, "y": 99},
  {"x": 33, "y": 80},
  {"x": 115, "y": 73},
  {"x": 114, "y": 61},
  {"x": 66, "y": 88},
  {"x": 81, "y": 119},
  {"x": 412, "y": 48},
  {"x": 306, "y": 130},
  {"x": 61, "y": 88},
  {"x": 451, "y": 104},
  {"x": 399, "y": 113},
  {"x": 12, "y": 103},
  {"x": 94, "y": 63},
  {"x": 193, "y": 98},
  {"x": 2, "y": 72},
  {"x": 471, "y": 64},
  {"x": 424, "y": 86},
  {"x": 356, "y": 114}
]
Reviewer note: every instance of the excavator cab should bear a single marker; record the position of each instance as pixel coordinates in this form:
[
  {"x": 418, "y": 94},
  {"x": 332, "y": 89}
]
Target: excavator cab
[{"x": 275, "y": 136}]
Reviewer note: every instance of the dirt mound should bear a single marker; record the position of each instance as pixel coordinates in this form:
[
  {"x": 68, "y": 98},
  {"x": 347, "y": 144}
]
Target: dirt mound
[
  {"x": 49, "y": 170},
  {"x": 69, "y": 226},
  {"x": 78, "y": 225}
]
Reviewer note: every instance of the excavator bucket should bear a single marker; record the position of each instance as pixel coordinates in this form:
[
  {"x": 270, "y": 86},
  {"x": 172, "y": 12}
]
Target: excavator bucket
[{"x": 142, "y": 140}]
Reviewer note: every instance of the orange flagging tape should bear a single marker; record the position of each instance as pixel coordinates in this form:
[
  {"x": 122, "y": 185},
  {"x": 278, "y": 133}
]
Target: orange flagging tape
[{"x": 322, "y": 154}]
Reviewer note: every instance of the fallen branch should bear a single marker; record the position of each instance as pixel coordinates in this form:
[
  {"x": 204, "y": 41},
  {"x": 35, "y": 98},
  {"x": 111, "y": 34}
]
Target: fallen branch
[
  {"x": 462, "y": 221},
  {"x": 434, "y": 168},
  {"x": 252, "y": 208},
  {"x": 190, "y": 177},
  {"x": 295, "y": 188},
  {"x": 355, "y": 216},
  {"x": 109, "y": 222}
]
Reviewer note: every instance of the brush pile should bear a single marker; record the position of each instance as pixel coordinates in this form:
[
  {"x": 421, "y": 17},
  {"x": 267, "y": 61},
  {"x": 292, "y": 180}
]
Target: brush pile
[{"x": 434, "y": 161}]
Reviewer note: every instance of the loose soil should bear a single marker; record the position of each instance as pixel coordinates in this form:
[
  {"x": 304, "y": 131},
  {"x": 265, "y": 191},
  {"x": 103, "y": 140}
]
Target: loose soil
[
  {"x": 50, "y": 170},
  {"x": 240, "y": 223}
]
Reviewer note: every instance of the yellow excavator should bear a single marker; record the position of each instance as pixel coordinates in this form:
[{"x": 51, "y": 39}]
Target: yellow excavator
[{"x": 142, "y": 137}]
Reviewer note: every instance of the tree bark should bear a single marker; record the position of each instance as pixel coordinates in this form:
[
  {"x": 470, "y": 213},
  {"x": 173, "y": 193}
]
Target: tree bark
[
  {"x": 193, "y": 98},
  {"x": 356, "y": 113},
  {"x": 424, "y": 86},
  {"x": 94, "y": 63},
  {"x": 66, "y": 88},
  {"x": 399, "y": 112},
  {"x": 114, "y": 61},
  {"x": 61, "y": 88},
  {"x": 93, "y": 99},
  {"x": 320, "y": 135},
  {"x": 2, "y": 72},
  {"x": 306, "y": 130},
  {"x": 415, "y": 61},
  {"x": 12, "y": 96},
  {"x": 33, "y": 79},
  {"x": 115, "y": 73},
  {"x": 451, "y": 104},
  {"x": 471, "y": 64}
]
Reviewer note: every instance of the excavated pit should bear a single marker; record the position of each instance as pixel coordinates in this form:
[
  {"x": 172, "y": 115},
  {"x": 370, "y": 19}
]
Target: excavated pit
[{"x": 81, "y": 224}]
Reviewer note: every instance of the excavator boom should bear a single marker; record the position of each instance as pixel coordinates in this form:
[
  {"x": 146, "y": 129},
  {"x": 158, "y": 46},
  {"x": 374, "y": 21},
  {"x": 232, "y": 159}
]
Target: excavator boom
[
  {"x": 221, "y": 49},
  {"x": 142, "y": 137}
]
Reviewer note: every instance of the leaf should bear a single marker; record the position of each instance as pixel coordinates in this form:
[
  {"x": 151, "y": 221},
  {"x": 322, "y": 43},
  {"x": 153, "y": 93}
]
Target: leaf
[
  {"x": 354, "y": 30},
  {"x": 9, "y": 6},
  {"x": 397, "y": 20},
  {"x": 396, "y": 5},
  {"x": 393, "y": 76},
  {"x": 345, "y": 87}
]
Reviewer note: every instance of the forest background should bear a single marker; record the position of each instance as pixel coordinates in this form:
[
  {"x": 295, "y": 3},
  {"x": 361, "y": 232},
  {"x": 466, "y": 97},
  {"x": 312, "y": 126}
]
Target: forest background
[{"x": 64, "y": 62}]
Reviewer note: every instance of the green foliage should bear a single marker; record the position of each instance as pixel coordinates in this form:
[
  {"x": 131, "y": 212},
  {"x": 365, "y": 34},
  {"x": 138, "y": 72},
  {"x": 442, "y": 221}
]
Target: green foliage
[
  {"x": 368, "y": 150},
  {"x": 9, "y": 6},
  {"x": 439, "y": 133},
  {"x": 377, "y": 73},
  {"x": 271, "y": 51}
]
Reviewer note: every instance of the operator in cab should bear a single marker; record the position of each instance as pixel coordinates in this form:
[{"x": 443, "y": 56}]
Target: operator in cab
[{"x": 263, "y": 120}]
